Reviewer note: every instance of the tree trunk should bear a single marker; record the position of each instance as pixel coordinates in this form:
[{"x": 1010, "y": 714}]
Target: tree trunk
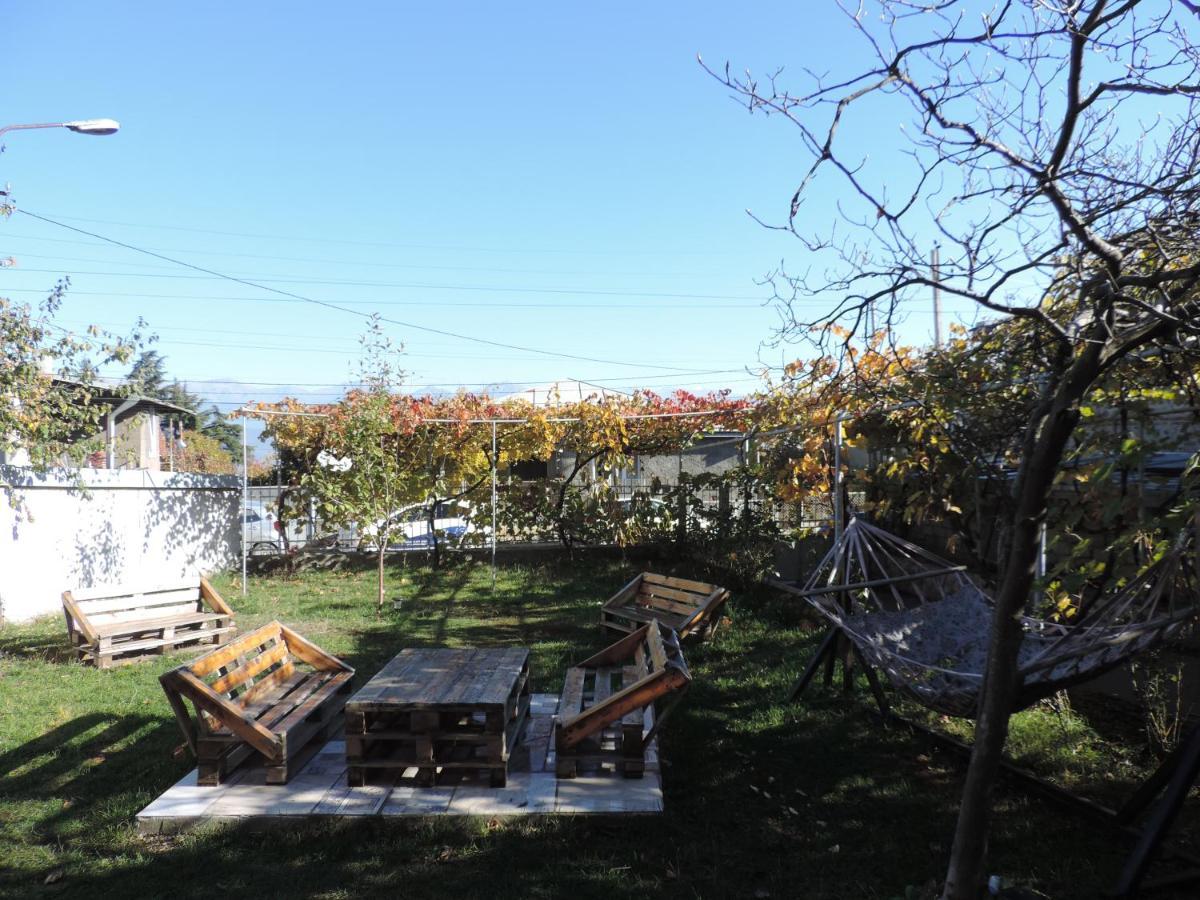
[
  {"x": 1045, "y": 444},
  {"x": 379, "y": 599},
  {"x": 435, "y": 557},
  {"x": 560, "y": 523}
]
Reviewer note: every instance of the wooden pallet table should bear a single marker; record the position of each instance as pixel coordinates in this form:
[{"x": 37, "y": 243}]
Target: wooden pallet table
[{"x": 436, "y": 710}]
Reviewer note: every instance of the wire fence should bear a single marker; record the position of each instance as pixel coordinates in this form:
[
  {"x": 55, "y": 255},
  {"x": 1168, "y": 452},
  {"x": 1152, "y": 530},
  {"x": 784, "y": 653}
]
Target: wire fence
[{"x": 278, "y": 519}]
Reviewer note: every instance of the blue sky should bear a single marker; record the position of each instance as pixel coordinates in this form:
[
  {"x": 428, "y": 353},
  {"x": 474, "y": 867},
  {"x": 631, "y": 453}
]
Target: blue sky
[{"x": 551, "y": 176}]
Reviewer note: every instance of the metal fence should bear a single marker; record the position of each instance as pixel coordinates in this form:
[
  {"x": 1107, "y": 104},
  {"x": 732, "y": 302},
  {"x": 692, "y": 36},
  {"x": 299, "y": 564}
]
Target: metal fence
[{"x": 466, "y": 522}]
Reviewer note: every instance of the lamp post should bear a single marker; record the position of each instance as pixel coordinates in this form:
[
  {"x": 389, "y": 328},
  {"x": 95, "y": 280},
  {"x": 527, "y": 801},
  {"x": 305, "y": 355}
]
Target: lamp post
[{"x": 80, "y": 126}]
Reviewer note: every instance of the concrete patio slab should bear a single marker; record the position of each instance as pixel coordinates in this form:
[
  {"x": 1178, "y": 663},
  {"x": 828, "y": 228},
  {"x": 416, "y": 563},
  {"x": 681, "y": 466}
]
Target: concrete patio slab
[{"x": 320, "y": 790}]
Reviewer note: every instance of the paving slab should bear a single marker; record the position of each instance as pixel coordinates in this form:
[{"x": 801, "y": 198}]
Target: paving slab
[{"x": 320, "y": 790}]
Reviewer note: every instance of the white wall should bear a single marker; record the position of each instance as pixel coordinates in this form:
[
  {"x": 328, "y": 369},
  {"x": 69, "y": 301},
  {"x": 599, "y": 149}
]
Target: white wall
[{"x": 122, "y": 527}]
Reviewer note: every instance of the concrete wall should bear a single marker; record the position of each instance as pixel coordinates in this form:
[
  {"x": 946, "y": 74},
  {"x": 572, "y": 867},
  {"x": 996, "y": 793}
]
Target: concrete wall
[{"x": 92, "y": 527}]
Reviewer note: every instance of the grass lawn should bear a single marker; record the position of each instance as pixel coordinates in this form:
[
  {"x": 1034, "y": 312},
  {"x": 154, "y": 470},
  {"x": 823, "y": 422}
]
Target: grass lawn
[{"x": 763, "y": 798}]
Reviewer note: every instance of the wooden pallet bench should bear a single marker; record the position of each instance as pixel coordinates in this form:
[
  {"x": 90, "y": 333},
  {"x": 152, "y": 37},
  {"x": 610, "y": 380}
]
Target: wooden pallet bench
[
  {"x": 606, "y": 714},
  {"x": 684, "y": 606},
  {"x": 269, "y": 692},
  {"x": 439, "y": 710},
  {"x": 116, "y": 625}
]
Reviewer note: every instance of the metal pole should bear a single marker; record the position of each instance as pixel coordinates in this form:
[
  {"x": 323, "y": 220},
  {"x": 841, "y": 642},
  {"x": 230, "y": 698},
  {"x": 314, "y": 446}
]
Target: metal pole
[
  {"x": 839, "y": 513},
  {"x": 242, "y": 511},
  {"x": 494, "y": 461},
  {"x": 937, "y": 297}
]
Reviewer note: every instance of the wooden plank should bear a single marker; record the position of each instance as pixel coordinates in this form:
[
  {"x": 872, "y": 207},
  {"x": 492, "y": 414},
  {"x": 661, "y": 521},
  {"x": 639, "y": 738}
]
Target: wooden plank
[
  {"x": 127, "y": 589},
  {"x": 602, "y": 685},
  {"x": 621, "y": 650},
  {"x": 209, "y": 594},
  {"x": 687, "y": 599},
  {"x": 310, "y": 652},
  {"x": 331, "y": 686},
  {"x": 296, "y": 692},
  {"x": 705, "y": 615},
  {"x": 662, "y": 605},
  {"x": 442, "y": 678},
  {"x": 113, "y": 629},
  {"x": 81, "y": 622},
  {"x": 210, "y": 662},
  {"x": 508, "y": 669},
  {"x": 624, "y": 594},
  {"x": 654, "y": 642},
  {"x": 140, "y": 599},
  {"x": 244, "y": 673},
  {"x": 686, "y": 584},
  {"x": 254, "y": 734},
  {"x": 636, "y": 696},
  {"x": 91, "y": 652},
  {"x": 630, "y": 676},
  {"x": 571, "y": 699},
  {"x": 267, "y": 692}
]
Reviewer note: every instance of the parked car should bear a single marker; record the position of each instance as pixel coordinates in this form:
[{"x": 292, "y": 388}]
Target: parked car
[
  {"x": 409, "y": 526},
  {"x": 265, "y": 533}
]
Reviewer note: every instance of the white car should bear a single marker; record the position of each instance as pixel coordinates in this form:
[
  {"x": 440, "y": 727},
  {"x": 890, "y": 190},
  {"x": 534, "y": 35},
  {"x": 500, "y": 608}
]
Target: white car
[{"x": 409, "y": 526}]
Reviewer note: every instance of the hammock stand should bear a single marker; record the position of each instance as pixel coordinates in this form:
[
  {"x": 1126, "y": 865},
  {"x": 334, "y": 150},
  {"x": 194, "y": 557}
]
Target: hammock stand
[{"x": 924, "y": 623}]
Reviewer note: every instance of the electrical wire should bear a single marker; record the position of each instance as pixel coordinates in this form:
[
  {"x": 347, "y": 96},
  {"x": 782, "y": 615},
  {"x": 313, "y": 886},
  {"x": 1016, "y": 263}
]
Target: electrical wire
[
  {"x": 334, "y": 306},
  {"x": 351, "y": 262},
  {"x": 591, "y": 251},
  {"x": 261, "y": 279}
]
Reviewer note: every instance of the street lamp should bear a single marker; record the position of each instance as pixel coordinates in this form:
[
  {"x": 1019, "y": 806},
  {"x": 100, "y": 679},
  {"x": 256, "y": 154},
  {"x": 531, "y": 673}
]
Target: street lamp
[{"x": 80, "y": 126}]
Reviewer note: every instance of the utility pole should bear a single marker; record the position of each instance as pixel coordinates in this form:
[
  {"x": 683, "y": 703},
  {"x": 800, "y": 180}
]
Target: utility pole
[{"x": 934, "y": 266}]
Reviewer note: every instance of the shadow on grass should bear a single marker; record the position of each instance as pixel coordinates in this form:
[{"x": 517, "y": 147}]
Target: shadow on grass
[
  {"x": 22, "y": 643},
  {"x": 812, "y": 799}
]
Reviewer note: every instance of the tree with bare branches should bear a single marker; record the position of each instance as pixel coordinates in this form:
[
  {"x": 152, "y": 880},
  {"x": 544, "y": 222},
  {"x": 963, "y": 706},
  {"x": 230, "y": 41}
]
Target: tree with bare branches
[{"x": 1051, "y": 149}]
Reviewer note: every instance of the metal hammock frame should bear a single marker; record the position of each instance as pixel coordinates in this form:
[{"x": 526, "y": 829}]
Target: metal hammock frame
[
  {"x": 882, "y": 592},
  {"x": 878, "y": 590}
]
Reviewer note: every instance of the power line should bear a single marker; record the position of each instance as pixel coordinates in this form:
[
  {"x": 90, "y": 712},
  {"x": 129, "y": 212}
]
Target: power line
[
  {"x": 408, "y": 285},
  {"x": 451, "y": 248},
  {"x": 443, "y": 384},
  {"x": 326, "y": 304},
  {"x": 293, "y": 348},
  {"x": 353, "y": 262},
  {"x": 623, "y": 379},
  {"x": 421, "y": 303}
]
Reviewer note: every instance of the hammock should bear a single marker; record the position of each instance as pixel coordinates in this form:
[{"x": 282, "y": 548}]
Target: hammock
[{"x": 926, "y": 625}]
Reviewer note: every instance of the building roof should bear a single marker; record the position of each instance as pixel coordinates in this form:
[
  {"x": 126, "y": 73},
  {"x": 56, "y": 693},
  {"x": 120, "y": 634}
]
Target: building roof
[{"x": 127, "y": 405}]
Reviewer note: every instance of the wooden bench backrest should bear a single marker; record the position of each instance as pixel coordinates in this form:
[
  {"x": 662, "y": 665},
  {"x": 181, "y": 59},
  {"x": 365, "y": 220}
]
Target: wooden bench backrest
[
  {"x": 654, "y": 651},
  {"x": 673, "y": 595},
  {"x": 248, "y": 665},
  {"x": 251, "y": 665},
  {"x": 129, "y": 603}
]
